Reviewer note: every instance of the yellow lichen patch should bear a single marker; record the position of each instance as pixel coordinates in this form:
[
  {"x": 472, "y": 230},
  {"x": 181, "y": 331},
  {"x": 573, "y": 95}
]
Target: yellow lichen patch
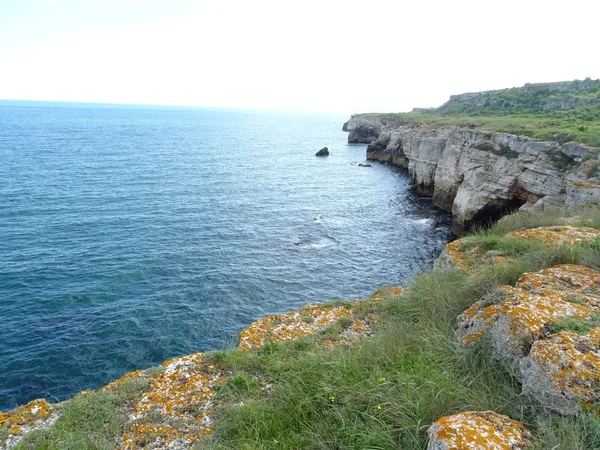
[
  {"x": 477, "y": 430},
  {"x": 182, "y": 397},
  {"x": 125, "y": 378},
  {"x": 34, "y": 415},
  {"x": 454, "y": 250},
  {"x": 572, "y": 362},
  {"x": 558, "y": 235},
  {"x": 537, "y": 299},
  {"x": 293, "y": 325},
  {"x": 393, "y": 291}
]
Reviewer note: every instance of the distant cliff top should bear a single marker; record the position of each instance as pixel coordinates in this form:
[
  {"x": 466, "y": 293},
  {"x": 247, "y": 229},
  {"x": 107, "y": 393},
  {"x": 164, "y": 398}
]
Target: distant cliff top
[
  {"x": 566, "y": 111},
  {"x": 533, "y": 98}
]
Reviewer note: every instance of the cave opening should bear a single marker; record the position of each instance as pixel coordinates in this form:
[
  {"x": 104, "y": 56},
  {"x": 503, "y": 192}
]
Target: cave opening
[{"x": 491, "y": 213}]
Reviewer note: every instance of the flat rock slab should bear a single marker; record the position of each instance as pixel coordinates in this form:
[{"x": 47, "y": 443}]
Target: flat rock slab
[{"x": 310, "y": 319}]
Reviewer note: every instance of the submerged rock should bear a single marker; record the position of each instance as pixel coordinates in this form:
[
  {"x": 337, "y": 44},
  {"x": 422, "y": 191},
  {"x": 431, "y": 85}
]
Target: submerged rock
[
  {"x": 477, "y": 430},
  {"x": 323, "y": 152}
]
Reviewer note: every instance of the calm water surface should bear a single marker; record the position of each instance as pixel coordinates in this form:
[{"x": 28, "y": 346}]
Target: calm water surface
[{"x": 133, "y": 235}]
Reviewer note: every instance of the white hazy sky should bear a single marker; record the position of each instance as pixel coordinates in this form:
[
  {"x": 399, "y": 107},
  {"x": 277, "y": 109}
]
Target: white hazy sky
[{"x": 326, "y": 55}]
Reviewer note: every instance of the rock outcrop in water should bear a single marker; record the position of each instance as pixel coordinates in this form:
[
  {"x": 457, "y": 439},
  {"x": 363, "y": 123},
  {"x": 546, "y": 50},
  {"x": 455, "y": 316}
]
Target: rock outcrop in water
[{"x": 478, "y": 175}]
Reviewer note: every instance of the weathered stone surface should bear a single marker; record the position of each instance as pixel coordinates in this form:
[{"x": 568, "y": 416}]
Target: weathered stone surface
[
  {"x": 176, "y": 409},
  {"x": 451, "y": 257},
  {"x": 478, "y": 175},
  {"x": 477, "y": 430},
  {"x": 559, "y": 369},
  {"x": 455, "y": 255},
  {"x": 35, "y": 415},
  {"x": 365, "y": 129},
  {"x": 323, "y": 152},
  {"x": 558, "y": 235},
  {"x": 563, "y": 371},
  {"x": 538, "y": 299}
]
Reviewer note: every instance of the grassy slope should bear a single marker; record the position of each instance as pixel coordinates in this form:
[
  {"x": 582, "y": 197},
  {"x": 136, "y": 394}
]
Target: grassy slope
[
  {"x": 380, "y": 393},
  {"x": 524, "y": 113},
  {"x": 384, "y": 392}
]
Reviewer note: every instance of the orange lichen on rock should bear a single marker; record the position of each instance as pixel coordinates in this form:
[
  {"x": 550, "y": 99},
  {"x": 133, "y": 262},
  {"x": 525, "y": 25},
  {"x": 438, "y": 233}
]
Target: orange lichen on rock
[
  {"x": 536, "y": 300},
  {"x": 453, "y": 255},
  {"x": 32, "y": 416},
  {"x": 124, "y": 379},
  {"x": 563, "y": 371},
  {"x": 558, "y": 235},
  {"x": 182, "y": 397},
  {"x": 387, "y": 290},
  {"x": 307, "y": 320},
  {"x": 477, "y": 430}
]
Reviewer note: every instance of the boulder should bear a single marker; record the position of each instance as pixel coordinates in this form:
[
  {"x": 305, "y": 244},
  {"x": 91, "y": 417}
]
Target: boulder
[
  {"x": 477, "y": 430},
  {"x": 536, "y": 302},
  {"x": 323, "y": 152},
  {"x": 562, "y": 372}
]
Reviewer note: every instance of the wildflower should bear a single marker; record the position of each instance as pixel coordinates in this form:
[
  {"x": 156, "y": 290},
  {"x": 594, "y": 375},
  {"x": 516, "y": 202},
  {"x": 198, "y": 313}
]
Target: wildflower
[
  {"x": 275, "y": 441},
  {"x": 382, "y": 379},
  {"x": 378, "y": 406},
  {"x": 331, "y": 398}
]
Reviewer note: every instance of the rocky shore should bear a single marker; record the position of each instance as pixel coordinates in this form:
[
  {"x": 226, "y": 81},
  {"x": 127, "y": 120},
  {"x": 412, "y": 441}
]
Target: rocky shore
[
  {"x": 479, "y": 176},
  {"x": 545, "y": 327}
]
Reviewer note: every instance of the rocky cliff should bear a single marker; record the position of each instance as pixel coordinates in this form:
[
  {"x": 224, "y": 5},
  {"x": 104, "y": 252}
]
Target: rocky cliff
[{"x": 479, "y": 175}]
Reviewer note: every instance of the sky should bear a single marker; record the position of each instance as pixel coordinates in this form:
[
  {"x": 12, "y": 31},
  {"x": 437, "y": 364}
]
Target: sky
[{"x": 327, "y": 55}]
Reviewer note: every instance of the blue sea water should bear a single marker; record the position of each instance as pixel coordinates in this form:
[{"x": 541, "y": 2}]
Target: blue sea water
[{"x": 133, "y": 235}]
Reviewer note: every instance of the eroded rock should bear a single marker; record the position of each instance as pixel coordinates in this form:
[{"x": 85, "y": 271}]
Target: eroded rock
[
  {"x": 176, "y": 409},
  {"x": 537, "y": 300},
  {"x": 35, "y": 415},
  {"x": 563, "y": 371},
  {"x": 475, "y": 174},
  {"x": 477, "y": 430},
  {"x": 558, "y": 235}
]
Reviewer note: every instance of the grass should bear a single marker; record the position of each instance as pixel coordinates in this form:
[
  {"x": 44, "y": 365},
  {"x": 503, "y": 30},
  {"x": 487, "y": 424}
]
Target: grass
[
  {"x": 384, "y": 392},
  {"x": 92, "y": 421},
  {"x": 378, "y": 393},
  {"x": 559, "y": 129}
]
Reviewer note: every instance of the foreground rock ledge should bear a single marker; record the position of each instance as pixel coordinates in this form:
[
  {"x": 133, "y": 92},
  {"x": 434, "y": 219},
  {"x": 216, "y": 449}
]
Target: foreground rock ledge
[
  {"x": 477, "y": 430},
  {"x": 175, "y": 410}
]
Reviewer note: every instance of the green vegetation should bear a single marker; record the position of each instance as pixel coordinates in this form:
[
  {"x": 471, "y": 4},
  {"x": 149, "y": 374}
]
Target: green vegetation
[
  {"x": 383, "y": 392},
  {"x": 550, "y": 98},
  {"x": 558, "y": 112},
  {"x": 561, "y": 128},
  {"x": 94, "y": 420},
  {"x": 378, "y": 393}
]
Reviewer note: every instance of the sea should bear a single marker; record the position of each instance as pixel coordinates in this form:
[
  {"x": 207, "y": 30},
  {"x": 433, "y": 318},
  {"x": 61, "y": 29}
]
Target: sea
[{"x": 134, "y": 234}]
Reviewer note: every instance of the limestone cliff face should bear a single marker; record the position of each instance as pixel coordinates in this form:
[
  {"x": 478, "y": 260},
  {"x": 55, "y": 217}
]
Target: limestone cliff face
[
  {"x": 480, "y": 175},
  {"x": 366, "y": 128}
]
